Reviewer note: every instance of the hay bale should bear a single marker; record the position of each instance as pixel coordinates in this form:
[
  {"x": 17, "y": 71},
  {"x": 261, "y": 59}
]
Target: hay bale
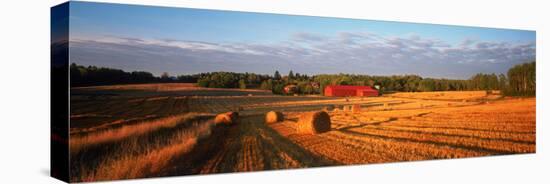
[
  {"x": 347, "y": 108},
  {"x": 227, "y": 118},
  {"x": 313, "y": 123},
  {"x": 356, "y": 108},
  {"x": 274, "y": 116},
  {"x": 250, "y": 94},
  {"x": 328, "y": 108},
  {"x": 238, "y": 108}
]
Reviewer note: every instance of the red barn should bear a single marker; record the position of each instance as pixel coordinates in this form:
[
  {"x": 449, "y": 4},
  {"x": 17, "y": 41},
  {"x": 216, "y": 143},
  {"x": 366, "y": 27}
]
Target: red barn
[{"x": 338, "y": 90}]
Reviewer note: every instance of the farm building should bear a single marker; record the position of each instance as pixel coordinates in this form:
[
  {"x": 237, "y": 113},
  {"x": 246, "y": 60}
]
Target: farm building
[
  {"x": 340, "y": 90},
  {"x": 290, "y": 89}
]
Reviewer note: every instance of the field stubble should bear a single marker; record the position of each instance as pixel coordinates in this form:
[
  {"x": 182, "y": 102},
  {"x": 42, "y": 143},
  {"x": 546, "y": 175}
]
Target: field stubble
[{"x": 155, "y": 130}]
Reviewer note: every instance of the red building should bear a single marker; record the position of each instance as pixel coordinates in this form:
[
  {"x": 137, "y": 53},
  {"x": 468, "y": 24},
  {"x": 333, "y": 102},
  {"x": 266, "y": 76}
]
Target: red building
[
  {"x": 290, "y": 89},
  {"x": 338, "y": 90}
]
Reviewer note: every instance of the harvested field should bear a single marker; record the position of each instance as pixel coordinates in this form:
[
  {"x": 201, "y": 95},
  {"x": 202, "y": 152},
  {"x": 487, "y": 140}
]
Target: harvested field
[
  {"x": 504, "y": 127},
  {"x": 169, "y": 129}
]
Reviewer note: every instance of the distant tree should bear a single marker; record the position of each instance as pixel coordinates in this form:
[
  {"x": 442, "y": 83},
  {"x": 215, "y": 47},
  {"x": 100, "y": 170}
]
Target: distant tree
[
  {"x": 522, "y": 80},
  {"x": 267, "y": 85},
  {"x": 278, "y": 88},
  {"x": 277, "y": 75},
  {"x": 203, "y": 82},
  {"x": 305, "y": 88},
  {"x": 290, "y": 75},
  {"x": 427, "y": 85},
  {"x": 242, "y": 84},
  {"x": 502, "y": 82}
]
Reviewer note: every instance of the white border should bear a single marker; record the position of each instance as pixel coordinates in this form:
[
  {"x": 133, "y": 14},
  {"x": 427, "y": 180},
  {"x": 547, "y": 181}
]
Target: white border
[{"x": 24, "y": 98}]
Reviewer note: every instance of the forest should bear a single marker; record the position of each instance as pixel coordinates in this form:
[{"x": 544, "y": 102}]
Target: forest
[{"x": 520, "y": 80}]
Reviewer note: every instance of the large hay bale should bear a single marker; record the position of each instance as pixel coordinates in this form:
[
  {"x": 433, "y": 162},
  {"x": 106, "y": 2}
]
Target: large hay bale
[
  {"x": 314, "y": 123},
  {"x": 227, "y": 118},
  {"x": 274, "y": 116},
  {"x": 356, "y": 108}
]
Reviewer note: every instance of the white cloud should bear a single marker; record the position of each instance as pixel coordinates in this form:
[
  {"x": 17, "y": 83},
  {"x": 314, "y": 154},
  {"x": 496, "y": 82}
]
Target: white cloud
[{"x": 346, "y": 52}]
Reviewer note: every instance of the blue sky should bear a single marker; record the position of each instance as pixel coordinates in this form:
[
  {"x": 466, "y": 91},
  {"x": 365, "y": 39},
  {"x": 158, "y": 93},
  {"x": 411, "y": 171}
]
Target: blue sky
[{"x": 182, "y": 41}]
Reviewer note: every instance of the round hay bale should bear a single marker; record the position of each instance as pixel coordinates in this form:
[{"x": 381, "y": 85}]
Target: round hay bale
[
  {"x": 356, "y": 108},
  {"x": 227, "y": 118},
  {"x": 238, "y": 108},
  {"x": 313, "y": 123},
  {"x": 347, "y": 108},
  {"x": 329, "y": 108},
  {"x": 250, "y": 94},
  {"x": 274, "y": 116}
]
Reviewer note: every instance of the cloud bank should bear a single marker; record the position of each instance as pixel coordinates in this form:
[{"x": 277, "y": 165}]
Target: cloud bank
[{"x": 345, "y": 52}]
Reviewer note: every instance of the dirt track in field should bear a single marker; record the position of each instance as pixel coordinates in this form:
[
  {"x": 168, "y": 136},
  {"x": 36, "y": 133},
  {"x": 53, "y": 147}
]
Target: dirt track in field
[{"x": 249, "y": 145}]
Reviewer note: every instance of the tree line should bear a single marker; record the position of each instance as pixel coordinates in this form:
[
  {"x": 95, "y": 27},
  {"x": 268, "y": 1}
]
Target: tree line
[
  {"x": 95, "y": 76},
  {"x": 519, "y": 80}
]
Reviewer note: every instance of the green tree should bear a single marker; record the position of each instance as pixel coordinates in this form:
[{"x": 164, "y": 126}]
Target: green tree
[
  {"x": 267, "y": 84},
  {"x": 522, "y": 80},
  {"x": 278, "y": 88},
  {"x": 277, "y": 75},
  {"x": 242, "y": 84}
]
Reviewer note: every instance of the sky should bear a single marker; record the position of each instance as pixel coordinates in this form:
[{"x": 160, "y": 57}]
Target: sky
[{"x": 188, "y": 41}]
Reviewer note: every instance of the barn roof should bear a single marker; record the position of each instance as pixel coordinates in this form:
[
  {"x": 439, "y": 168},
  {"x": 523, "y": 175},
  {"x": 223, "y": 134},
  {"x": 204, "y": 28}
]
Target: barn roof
[{"x": 347, "y": 87}]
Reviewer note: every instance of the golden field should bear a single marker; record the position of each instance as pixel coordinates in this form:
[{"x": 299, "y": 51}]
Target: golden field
[{"x": 167, "y": 129}]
